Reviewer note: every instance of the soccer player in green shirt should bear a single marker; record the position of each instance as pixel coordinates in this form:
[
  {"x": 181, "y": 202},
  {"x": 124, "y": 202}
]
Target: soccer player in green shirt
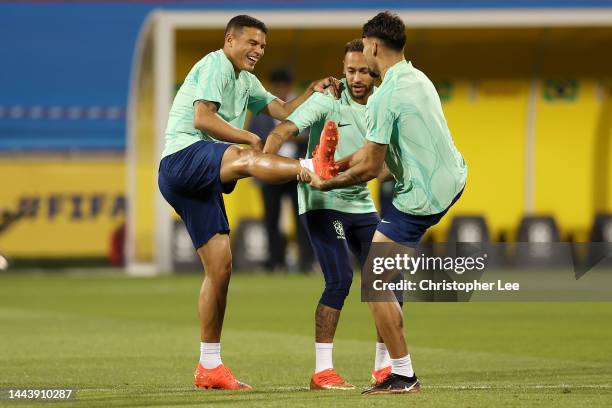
[
  {"x": 197, "y": 166},
  {"x": 337, "y": 221},
  {"x": 407, "y": 131}
]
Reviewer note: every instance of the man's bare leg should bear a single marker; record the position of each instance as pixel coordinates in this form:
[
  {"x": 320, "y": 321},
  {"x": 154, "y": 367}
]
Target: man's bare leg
[
  {"x": 389, "y": 319},
  {"x": 379, "y": 338},
  {"x": 239, "y": 162},
  {"x": 389, "y": 322},
  {"x": 216, "y": 257},
  {"x": 326, "y": 322}
]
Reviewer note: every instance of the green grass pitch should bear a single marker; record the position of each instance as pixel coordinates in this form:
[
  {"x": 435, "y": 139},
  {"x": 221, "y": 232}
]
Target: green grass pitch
[{"x": 134, "y": 342}]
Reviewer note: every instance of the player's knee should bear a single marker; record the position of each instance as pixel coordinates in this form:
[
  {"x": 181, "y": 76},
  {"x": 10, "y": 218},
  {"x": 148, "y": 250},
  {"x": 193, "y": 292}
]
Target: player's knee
[
  {"x": 219, "y": 269},
  {"x": 394, "y": 321},
  {"x": 335, "y": 296},
  {"x": 246, "y": 160}
]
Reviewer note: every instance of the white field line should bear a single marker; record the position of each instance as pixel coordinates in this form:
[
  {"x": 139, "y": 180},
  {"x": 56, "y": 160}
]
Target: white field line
[
  {"x": 519, "y": 387},
  {"x": 424, "y": 386}
]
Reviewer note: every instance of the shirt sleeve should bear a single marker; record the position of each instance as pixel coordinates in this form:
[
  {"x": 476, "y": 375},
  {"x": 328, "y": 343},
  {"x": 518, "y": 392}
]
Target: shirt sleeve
[
  {"x": 379, "y": 119},
  {"x": 314, "y": 109},
  {"x": 211, "y": 80},
  {"x": 259, "y": 97}
]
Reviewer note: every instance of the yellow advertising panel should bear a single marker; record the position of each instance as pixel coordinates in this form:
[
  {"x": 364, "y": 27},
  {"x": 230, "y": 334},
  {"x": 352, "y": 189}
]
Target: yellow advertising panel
[
  {"x": 61, "y": 208},
  {"x": 494, "y": 153},
  {"x": 565, "y": 170}
]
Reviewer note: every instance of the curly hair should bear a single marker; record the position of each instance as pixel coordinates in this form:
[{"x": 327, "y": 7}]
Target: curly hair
[{"x": 387, "y": 27}]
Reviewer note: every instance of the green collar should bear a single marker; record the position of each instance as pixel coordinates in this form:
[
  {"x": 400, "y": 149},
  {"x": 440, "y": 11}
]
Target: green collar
[{"x": 397, "y": 67}]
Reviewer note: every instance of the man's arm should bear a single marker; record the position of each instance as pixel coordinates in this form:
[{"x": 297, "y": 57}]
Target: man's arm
[
  {"x": 384, "y": 174},
  {"x": 305, "y": 116},
  {"x": 207, "y": 120},
  {"x": 280, "y": 110},
  {"x": 344, "y": 163},
  {"x": 351, "y": 160},
  {"x": 366, "y": 165},
  {"x": 279, "y": 135}
]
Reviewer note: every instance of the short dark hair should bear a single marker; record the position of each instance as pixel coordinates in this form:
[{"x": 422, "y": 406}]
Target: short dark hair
[
  {"x": 245, "y": 21},
  {"x": 281, "y": 75},
  {"x": 387, "y": 27},
  {"x": 355, "y": 45}
]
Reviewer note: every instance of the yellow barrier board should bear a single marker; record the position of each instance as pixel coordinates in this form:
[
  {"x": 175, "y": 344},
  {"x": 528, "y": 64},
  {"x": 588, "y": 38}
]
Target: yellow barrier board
[{"x": 68, "y": 207}]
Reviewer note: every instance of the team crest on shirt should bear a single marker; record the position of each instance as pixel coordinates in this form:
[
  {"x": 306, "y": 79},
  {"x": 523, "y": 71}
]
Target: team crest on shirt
[{"x": 339, "y": 229}]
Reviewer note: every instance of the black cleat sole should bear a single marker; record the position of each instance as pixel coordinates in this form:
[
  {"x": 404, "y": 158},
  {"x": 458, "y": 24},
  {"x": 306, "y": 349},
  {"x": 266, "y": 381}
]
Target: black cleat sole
[{"x": 413, "y": 389}]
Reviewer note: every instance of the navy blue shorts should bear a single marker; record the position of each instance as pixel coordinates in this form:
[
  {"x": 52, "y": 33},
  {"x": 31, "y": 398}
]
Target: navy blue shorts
[
  {"x": 333, "y": 234},
  {"x": 190, "y": 182},
  {"x": 406, "y": 228}
]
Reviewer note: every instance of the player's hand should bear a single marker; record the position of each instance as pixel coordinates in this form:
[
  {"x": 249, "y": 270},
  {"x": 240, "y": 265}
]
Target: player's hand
[
  {"x": 329, "y": 84},
  {"x": 303, "y": 176},
  {"x": 315, "y": 180},
  {"x": 256, "y": 143}
]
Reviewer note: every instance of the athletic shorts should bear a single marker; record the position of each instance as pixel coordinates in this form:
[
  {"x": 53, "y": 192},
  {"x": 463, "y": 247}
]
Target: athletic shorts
[
  {"x": 190, "y": 182},
  {"x": 408, "y": 229}
]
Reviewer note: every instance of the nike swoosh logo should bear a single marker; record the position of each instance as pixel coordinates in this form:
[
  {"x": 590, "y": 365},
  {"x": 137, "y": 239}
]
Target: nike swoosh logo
[
  {"x": 343, "y": 124},
  {"x": 386, "y": 222}
]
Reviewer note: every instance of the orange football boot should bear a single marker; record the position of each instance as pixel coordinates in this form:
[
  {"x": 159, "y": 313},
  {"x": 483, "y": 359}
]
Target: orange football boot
[
  {"x": 329, "y": 380},
  {"x": 379, "y": 376},
  {"x": 323, "y": 153},
  {"x": 218, "y": 378}
]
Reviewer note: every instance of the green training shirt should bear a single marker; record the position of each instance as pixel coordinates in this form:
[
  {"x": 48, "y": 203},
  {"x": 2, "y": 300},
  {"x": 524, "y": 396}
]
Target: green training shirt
[
  {"x": 350, "y": 118},
  {"x": 406, "y": 114},
  {"x": 213, "y": 79}
]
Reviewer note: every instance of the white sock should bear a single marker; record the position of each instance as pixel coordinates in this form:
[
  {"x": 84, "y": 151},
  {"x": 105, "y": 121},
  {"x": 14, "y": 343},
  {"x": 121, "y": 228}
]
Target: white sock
[
  {"x": 382, "y": 358},
  {"x": 402, "y": 366},
  {"x": 323, "y": 353},
  {"x": 210, "y": 354},
  {"x": 307, "y": 163}
]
